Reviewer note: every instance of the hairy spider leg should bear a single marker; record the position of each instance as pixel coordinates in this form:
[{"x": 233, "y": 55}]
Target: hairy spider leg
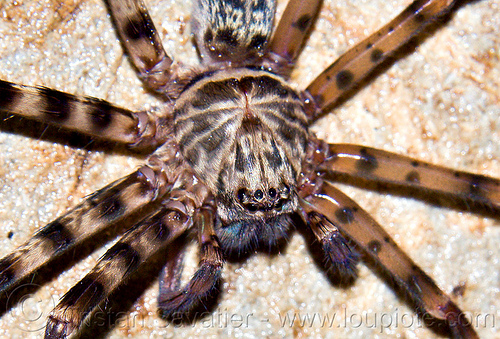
[
  {"x": 83, "y": 114},
  {"x": 354, "y": 65},
  {"x": 134, "y": 248},
  {"x": 290, "y": 35},
  {"x": 345, "y": 215},
  {"x": 390, "y": 168},
  {"x": 103, "y": 208},
  {"x": 173, "y": 300},
  {"x": 142, "y": 43}
]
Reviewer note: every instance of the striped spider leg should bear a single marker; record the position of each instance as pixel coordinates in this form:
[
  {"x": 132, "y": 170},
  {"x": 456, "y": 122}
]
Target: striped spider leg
[{"x": 191, "y": 206}]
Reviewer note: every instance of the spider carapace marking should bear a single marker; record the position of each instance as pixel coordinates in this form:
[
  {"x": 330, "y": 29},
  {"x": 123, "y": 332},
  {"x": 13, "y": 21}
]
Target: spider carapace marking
[
  {"x": 244, "y": 133},
  {"x": 233, "y": 161}
]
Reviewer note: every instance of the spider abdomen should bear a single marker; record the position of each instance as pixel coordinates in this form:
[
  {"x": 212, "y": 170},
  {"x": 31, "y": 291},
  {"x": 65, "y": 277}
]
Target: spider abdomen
[{"x": 244, "y": 133}]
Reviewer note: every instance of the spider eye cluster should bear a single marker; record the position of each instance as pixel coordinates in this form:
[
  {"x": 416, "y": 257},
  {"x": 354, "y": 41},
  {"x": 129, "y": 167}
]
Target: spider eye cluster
[{"x": 263, "y": 200}]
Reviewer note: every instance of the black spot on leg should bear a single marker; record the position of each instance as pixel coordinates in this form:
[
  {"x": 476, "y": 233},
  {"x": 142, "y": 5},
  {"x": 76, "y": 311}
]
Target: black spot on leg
[
  {"x": 376, "y": 55},
  {"x": 8, "y": 94},
  {"x": 7, "y": 273},
  {"x": 57, "y": 105},
  {"x": 415, "y": 163},
  {"x": 101, "y": 116},
  {"x": 303, "y": 23},
  {"x": 413, "y": 177},
  {"x": 368, "y": 46},
  {"x": 111, "y": 208},
  {"x": 125, "y": 253},
  {"x": 10, "y": 235},
  {"x": 162, "y": 231},
  {"x": 57, "y": 234},
  {"x": 344, "y": 215},
  {"x": 136, "y": 29},
  {"x": 475, "y": 189},
  {"x": 374, "y": 246},
  {"x": 85, "y": 294},
  {"x": 344, "y": 79},
  {"x": 319, "y": 99},
  {"x": 411, "y": 9},
  {"x": 420, "y": 17},
  {"x": 367, "y": 163}
]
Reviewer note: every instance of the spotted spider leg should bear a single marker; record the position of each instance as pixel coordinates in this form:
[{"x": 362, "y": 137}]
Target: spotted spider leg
[
  {"x": 174, "y": 301},
  {"x": 86, "y": 115},
  {"x": 389, "y": 168},
  {"x": 142, "y": 43},
  {"x": 354, "y": 65},
  {"x": 337, "y": 212},
  {"x": 144, "y": 239},
  {"x": 332, "y": 216},
  {"x": 290, "y": 34},
  {"x": 103, "y": 208}
]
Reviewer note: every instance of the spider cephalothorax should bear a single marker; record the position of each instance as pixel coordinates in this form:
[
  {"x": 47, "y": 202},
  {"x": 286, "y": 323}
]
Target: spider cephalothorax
[
  {"x": 244, "y": 133},
  {"x": 233, "y": 161}
]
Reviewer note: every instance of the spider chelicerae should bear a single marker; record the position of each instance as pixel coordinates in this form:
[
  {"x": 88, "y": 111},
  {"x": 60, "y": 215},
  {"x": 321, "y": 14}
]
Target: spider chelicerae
[{"x": 301, "y": 86}]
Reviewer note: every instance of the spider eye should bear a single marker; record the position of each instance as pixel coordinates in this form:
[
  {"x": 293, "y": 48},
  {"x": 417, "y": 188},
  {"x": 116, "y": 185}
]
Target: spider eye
[
  {"x": 258, "y": 194},
  {"x": 286, "y": 190},
  {"x": 279, "y": 205},
  {"x": 272, "y": 192},
  {"x": 241, "y": 194}
]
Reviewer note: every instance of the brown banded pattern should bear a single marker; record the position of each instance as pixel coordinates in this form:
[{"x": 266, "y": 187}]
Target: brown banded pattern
[
  {"x": 235, "y": 31},
  {"x": 354, "y": 65},
  {"x": 103, "y": 208},
  {"x": 86, "y": 115},
  {"x": 385, "y": 167},
  {"x": 290, "y": 34},
  {"x": 244, "y": 133},
  {"x": 332, "y": 205},
  {"x": 140, "y": 38},
  {"x": 122, "y": 259}
]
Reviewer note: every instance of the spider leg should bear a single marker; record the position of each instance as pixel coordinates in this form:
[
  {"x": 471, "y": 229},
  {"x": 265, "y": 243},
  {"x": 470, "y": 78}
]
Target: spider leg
[
  {"x": 173, "y": 300},
  {"x": 86, "y": 115},
  {"x": 134, "y": 248},
  {"x": 122, "y": 259},
  {"x": 354, "y": 65},
  {"x": 142, "y": 42},
  {"x": 389, "y": 168},
  {"x": 290, "y": 35},
  {"x": 345, "y": 215},
  {"x": 103, "y": 208},
  {"x": 336, "y": 247}
]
